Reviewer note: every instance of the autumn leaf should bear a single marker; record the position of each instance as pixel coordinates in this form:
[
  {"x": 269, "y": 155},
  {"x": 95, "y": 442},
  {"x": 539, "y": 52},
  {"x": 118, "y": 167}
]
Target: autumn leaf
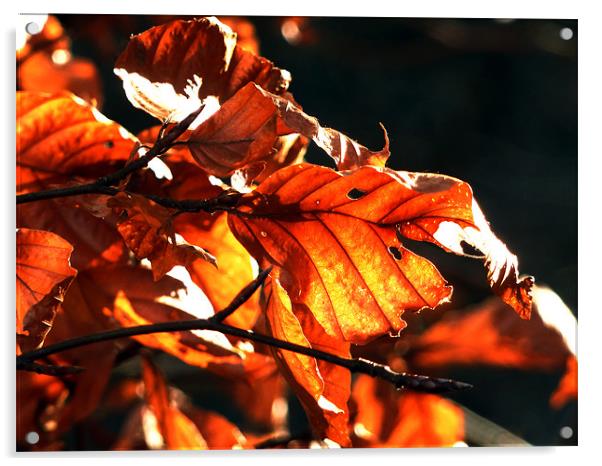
[
  {"x": 234, "y": 268},
  {"x": 488, "y": 334},
  {"x": 241, "y": 132},
  {"x": 175, "y": 430},
  {"x": 148, "y": 232},
  {"x": 339, "y": 247},
  {"x": 60, "y": 138},
  {"x": 194, "y": 348},
  {"x": 567, "y": 388},
  {"x": 43, "y": 277},
  {"x": 339, "y": 237},
  {"x": 169, "y": 70},
  {"x": 347, "y": 153},
  {"x": 44, "y": 72},
  {"x": 322, "y": 388},
  {"x": 386, "y": 418}
]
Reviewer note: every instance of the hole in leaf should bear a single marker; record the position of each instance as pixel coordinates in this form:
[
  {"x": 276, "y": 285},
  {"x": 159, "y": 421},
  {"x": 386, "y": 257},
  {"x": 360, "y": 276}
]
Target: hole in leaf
[
  {"x": 395, "y": 252},
  {"x": 356, "y": 194}
]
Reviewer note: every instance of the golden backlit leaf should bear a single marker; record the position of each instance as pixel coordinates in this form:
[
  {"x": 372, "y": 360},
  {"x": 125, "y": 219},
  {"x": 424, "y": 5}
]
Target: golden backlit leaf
[
  {"x": 488, "y": 334},
  {"x": 386, "y": 418},
  {"x": 60, "y": 139},
  {"x": 241, "y": 132},
  {"x": 170, "y": 69},
  {"x": 335, "y": 236},
  {"x": 322, "y": 388},
  {"x": 567, "y": 388},
  {"x": 187, "y": 346},
  {"x": 234, "y": 269},
  {"x": 175, "y": 429},
  {"x": 43, "y": 277}
]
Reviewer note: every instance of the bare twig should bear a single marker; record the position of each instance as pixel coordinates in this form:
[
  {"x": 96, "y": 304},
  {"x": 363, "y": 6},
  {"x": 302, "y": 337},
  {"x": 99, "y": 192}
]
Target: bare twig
[
  {"x": 414, "y": 382},
  {"x": 103, "y": 184},
  {"x": 48, "y": 369},
  {"x": 242, "y": 296}
]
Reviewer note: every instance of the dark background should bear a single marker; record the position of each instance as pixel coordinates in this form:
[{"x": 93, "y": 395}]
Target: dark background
[{"x": 493, "y": 102}]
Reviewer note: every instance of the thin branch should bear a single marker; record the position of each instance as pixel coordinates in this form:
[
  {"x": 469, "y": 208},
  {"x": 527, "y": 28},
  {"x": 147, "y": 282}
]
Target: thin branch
[
  {"x": 48, "y": 369},
  {"x": 420, "y": 383},
  {"x": 103, "y": 184},
  {"x": 283, "y": 440},
  {"x": 242, "y": 296}
]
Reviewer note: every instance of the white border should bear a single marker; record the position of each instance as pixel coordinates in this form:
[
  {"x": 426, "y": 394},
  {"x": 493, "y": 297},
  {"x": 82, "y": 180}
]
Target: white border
[{"x": 590, "y": 152}]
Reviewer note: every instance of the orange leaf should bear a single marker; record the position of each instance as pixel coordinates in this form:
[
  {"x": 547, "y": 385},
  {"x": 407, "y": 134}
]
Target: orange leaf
[
  {"x": 338, "y": 235},
  {"x": 148, "y": 232},
  {"x": 487, "y": 334},
  {"x": 393, "y": 419},
  {"x": 186, "y": 345},
  {"x": 241, "y": 132},
  {"x": 176, "y": 430},
  {"x": 43, "y": 277},
  {"x": 322, "y": 388},
  {"x": 44, "y": 72},
  {"x": 234, "y": 269},
  {"x": 168, "y": 70},
  {"x": 347, "y": 153},
  {"x": 335, "y": 237},
  {"x": 60, "y": 138},
  {"x": 567, "y": 388}
]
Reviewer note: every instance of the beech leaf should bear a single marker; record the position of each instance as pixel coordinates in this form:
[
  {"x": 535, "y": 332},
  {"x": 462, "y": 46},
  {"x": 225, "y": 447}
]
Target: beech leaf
[
  {"x": 61, "y": 138},
  {"x": 175, "y": 429},
  {"x": 339, "y": 236},
  {"x": 241, "y": 132},
  {"x": 384, "y": 418},
  {"x": 43, "y": 277},
  {"x": 169, "y": 70},
  {"x": 343, "y": 258},
  {"x": 322, "y": 388},
  {"x": 149, "y": 233}
]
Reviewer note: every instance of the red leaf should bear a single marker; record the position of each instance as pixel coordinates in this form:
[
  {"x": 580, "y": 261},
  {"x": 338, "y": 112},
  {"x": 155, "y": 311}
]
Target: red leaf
[
  {"x": 322, "y": 388},
  {"x": 167, "y": 70},
  {"x": 175, "y": 429},
  {"x": 148, "y": 232},
  {"x": 59, "y": 139},
  {"x": 241, "y": 132},
  {"x": 335, "y": 237},
  {"x": 347, "y": 153},
  {"x": 386, "y": 418},
  {"x": 567, "y": 388},
  {"x": 488, "y": 334},
  {"x": 43, "y": 277}
]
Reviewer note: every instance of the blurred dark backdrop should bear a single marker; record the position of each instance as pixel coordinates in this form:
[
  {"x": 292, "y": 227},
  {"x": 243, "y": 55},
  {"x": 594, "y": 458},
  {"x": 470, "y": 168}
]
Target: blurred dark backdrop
[{"x": 493, "y": 102}]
